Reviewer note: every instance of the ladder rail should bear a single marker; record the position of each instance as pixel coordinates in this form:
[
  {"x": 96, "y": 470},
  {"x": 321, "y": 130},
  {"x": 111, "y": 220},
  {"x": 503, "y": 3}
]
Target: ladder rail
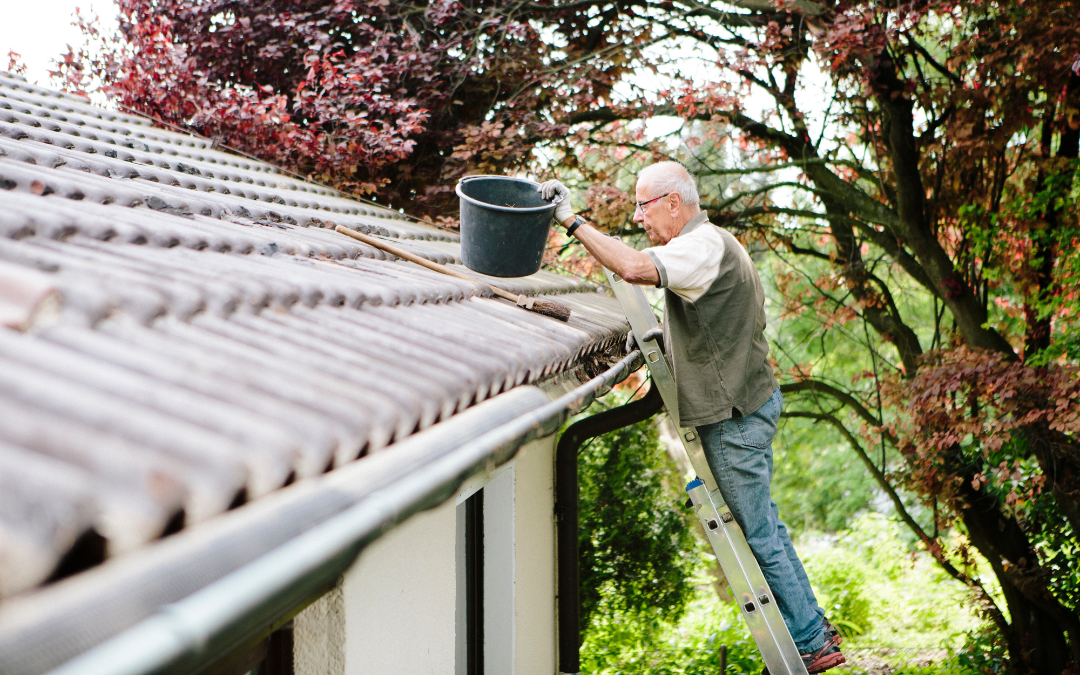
[
  {"x": 645, "y": 327},
  {"x": 756, "y": 601}
]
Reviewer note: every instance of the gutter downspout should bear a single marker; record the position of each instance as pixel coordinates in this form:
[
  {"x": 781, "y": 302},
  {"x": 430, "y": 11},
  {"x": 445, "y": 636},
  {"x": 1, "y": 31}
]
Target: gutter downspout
[
  {"x": 566, "y": 513},
  {"x": 188, "y": 634}
]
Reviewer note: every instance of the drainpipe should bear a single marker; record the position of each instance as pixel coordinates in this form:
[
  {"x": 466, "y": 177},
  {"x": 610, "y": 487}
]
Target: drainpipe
[
  {"x": 566, "y": 513},
  {"x": 188, "y": 634}
]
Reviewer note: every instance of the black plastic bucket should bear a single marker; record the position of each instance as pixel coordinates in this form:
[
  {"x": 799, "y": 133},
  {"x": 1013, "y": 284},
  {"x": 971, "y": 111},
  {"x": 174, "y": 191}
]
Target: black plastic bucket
[{"x": 504, "y": 225}]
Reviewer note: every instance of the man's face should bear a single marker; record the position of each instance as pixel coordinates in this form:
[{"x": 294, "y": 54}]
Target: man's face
[{"x": 658, "y": 216}]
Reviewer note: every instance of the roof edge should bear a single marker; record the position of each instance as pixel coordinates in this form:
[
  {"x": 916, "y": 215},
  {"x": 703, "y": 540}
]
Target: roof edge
[{"x": 194, "y": 597}]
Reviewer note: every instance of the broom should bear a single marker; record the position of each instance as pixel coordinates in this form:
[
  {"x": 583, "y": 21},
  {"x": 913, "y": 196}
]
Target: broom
[{"x": 545, "y": 307}]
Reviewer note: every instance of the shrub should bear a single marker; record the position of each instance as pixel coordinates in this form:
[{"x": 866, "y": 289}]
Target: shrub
[{"x": 636, "y": 546}]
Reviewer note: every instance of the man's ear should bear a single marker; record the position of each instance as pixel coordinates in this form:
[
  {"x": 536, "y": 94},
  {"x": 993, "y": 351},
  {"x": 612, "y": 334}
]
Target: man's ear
[{"x": 676, "y": 204}]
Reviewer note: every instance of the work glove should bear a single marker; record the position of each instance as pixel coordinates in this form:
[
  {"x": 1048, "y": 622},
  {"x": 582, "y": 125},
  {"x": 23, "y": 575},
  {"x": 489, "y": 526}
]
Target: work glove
[
  {"x": 552, "y": 189},
  {"x": 652, "y": 334}
]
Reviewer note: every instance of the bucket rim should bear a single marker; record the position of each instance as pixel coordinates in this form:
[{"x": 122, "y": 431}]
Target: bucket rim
[{"x": 508, "y": 209}]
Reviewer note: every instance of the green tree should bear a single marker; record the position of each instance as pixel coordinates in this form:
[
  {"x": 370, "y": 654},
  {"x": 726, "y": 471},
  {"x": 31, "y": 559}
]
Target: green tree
[{"x": 637, "y": 549}]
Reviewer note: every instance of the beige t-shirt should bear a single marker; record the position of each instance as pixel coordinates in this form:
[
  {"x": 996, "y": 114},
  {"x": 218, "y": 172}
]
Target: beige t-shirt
[{"x": 689, "y": 264}]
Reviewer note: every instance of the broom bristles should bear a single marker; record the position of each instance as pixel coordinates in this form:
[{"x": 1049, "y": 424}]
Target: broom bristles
[{"x": 552, "y": 309}]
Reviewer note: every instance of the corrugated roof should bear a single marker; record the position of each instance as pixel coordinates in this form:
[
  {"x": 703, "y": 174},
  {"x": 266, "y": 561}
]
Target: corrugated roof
[{"x": 185, "y": 332}]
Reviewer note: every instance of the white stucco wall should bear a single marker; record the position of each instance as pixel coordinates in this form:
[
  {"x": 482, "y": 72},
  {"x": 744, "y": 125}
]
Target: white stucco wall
[
  {"x": 319, "y": 637},
  {"x": 500, "y": 587},
  {"x": 398, "y": 610},
  {"x": 534, "y": 559},
  {"x": 400, "y": 600}
]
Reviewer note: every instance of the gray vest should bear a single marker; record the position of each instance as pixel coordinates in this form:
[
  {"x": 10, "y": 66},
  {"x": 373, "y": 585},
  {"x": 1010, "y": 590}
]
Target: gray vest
[{"x": 717, "y": 345}]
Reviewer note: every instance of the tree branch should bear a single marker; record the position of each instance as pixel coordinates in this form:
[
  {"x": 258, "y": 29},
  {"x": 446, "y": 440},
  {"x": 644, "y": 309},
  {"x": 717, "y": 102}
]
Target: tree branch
[
  {"x": 934, "y": 268},
  {"x": 914, "y": 44},
  {"x": 912, "y": 217},
  {"x": 933, "y": 547},
  {"x": 820, "y": 387},
  {"x": 764, "y": 7},
  {"x": 727, "y": 203},
  {"x": 795, "y": 163},
  {"x": 800, "y": 150}
]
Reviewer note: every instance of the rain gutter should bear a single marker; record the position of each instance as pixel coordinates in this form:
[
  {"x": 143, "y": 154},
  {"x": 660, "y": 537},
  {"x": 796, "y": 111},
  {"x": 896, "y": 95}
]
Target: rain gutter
[{"x": 228, "y": 610}]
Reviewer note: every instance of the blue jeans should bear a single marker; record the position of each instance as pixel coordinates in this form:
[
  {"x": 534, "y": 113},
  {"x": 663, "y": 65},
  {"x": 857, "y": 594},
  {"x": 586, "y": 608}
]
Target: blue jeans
[{"x": 739, "y": 452}]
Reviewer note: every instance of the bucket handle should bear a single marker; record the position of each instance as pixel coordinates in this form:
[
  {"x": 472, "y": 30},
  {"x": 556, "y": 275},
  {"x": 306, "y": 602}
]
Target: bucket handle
[
  {"x": 480, "y": 175},
  {"x": 464, "y": 179}
]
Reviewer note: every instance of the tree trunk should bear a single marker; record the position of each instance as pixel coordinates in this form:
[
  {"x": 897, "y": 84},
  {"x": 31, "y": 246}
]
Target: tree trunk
[
  {"x": 1037, "y": 636},
  {"x": 1059, "y": 461}
]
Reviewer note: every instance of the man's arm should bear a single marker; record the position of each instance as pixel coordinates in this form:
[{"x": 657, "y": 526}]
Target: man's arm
[{"x": 630, "y": 264}]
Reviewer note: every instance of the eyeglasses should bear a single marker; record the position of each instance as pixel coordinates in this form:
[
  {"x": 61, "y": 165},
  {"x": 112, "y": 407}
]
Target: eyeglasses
[{"x": 641, "y": 205}]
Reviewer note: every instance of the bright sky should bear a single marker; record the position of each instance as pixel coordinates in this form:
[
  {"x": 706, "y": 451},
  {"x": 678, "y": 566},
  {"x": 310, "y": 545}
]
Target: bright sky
[{"x": 40, "y": 31}]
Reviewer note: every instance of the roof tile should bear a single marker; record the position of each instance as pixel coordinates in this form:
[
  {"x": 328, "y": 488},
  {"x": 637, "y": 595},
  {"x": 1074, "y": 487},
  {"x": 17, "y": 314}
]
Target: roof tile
[{"x": 192, "y": 333}]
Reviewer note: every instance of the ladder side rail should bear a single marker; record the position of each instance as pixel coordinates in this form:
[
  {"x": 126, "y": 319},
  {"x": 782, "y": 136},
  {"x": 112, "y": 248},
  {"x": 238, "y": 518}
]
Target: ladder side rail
[
  {"x": 639, "y": 313},
  {"x": 756, "y": 601}
]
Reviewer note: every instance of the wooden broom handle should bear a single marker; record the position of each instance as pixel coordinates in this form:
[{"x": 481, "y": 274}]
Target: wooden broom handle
[{"x": 423, "y": 262}]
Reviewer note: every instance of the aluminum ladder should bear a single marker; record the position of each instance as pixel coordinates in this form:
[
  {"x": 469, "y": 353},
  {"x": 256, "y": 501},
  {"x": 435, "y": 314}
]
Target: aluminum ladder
[{"x": 748, "y": 584}]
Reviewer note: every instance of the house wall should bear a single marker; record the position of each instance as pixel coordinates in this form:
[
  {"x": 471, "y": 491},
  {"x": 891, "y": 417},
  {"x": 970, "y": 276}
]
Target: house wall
[
  {"x": 400, "y": 600},
  {"x": 534, "y": 560},
  {"x": 398, "y": 608},
  {"x": 519, "y": 565},
  {"x": 319, "y": 637},
  {"x": 500, "y": 580}
]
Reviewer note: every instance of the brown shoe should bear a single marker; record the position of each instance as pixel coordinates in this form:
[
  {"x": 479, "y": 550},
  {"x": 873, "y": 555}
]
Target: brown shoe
[{"x": 829, "y": 656}]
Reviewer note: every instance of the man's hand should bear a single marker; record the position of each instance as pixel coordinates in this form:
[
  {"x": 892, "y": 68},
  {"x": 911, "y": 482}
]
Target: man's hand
[
  {"x": 633, "y": 266},
  {"x": 553, "y": 188}
]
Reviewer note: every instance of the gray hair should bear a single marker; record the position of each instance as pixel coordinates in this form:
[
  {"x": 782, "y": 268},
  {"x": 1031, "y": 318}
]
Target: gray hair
[{"x": 670, "y": 177}]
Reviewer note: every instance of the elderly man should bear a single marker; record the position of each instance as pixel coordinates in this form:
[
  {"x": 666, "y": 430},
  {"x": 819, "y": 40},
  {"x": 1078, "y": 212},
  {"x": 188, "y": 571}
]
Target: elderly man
[{"x": 714, "y": 324}]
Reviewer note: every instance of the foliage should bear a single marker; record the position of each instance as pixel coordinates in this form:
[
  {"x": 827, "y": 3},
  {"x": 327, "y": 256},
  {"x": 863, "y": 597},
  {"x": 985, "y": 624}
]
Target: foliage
[
  {"x": 817, "y": 484},
  {"x": 15, "y": 63},
  {"x": 621, "y": 643},
  {"x": 325, "y": 88},
  {"x": 345, "y": 90},
  {"x": 984, "y": 652},
  {"x": 912, "y": 174},
  {"x": 878, "y": 591},
  {"x": 1003, "y": 411},
  {"x": 843, "y": 590},
  {"x": 869, "y": 569},
  {"x": 635, "y": 542}
]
